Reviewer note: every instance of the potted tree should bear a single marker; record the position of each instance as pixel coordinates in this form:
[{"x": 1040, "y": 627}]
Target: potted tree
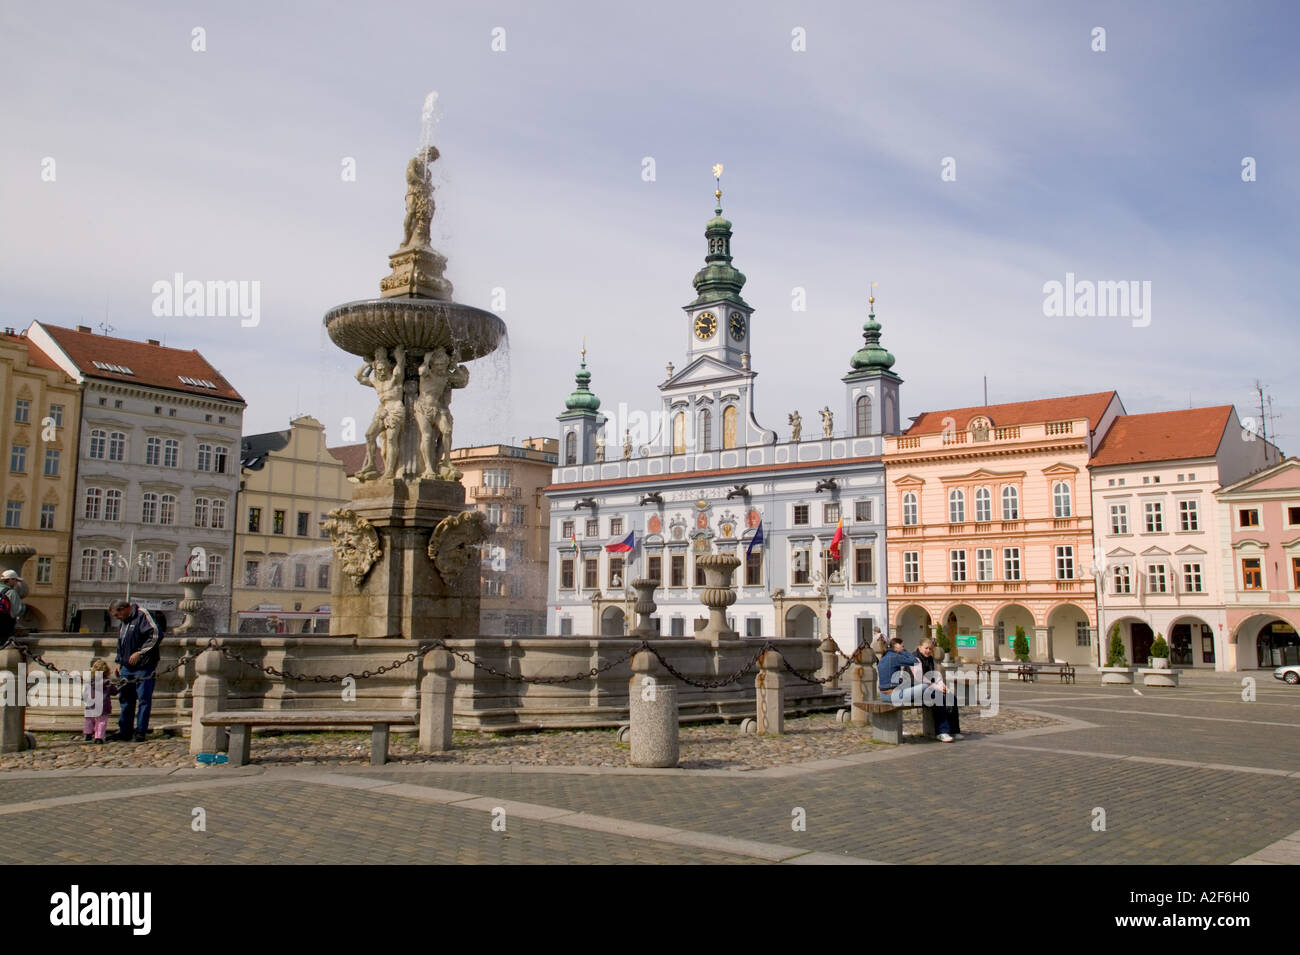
[
  {"x": 1116, "y": 669},
  {"x": 942, "y": 643},
  {"x": 1159, "y": 653},
  {"x": 1021, "y": 645},
  {"x": 1159, "y": 673}
]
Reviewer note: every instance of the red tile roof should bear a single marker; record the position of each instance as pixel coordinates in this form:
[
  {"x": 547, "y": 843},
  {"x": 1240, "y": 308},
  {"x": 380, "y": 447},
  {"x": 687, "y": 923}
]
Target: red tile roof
[
  {"x": 1091, "y": 407},
  {"x": 1164, "y": 436},
  {"x": 153, "y": 365},
  {"x": 352, "y": 456},
  {"x": 36, "y": 357}
]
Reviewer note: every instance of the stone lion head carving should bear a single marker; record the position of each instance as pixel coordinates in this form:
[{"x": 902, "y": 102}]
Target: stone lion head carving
[
  {"x": 453, "y": 546},
  {"x": 356, "y": 542}
]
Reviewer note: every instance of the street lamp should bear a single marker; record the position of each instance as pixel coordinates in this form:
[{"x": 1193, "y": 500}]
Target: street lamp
[{"x": 1098, "y": 571}]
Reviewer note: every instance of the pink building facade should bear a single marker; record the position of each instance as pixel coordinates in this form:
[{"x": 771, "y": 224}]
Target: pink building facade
[
  {"x": 1261, "y": 567},
  {"x": 1158, "y": 532}
]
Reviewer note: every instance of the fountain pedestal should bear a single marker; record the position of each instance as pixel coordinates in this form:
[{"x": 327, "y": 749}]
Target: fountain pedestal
[{"x": 409, "y": 561}]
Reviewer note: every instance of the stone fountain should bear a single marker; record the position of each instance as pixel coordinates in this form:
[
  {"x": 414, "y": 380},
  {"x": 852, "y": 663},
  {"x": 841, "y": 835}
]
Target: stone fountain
[{"x": 407, "y": 559}]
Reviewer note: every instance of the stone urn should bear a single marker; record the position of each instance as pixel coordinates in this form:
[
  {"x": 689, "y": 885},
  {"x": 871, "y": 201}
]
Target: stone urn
[
  {"x": 718, "y": 594},
  {"x": 1160, "y": 663},
  {"x": 645, "y": 606},
  {"x": 939, "y": 652},
  {"x": 192, "y": 602}
]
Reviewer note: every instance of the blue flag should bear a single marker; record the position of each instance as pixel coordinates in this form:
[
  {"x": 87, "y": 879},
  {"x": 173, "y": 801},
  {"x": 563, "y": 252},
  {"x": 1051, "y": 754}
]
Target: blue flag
[{"x": 755, "y": 541}]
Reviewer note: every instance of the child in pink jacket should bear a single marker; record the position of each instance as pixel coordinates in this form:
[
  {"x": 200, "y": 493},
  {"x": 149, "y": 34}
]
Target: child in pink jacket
[{"x": 97, "y": 697}]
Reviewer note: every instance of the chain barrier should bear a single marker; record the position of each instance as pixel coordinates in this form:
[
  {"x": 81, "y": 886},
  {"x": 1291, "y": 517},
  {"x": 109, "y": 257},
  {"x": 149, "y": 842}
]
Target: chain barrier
[
  {"x": 230, "y": 654},
  {"x": 543, "y": 680},
  {"x": 318, "y": 678}
]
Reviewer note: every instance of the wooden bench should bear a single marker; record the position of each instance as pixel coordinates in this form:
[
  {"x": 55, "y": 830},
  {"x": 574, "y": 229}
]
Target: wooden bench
[
  {"x": 1028, "y": 671},
  {"x": 241, "y": 723}
]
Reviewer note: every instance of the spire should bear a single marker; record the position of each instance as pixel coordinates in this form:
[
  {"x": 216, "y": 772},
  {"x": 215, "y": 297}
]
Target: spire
[
  {"x": 582, "y": 401},
  {"x": 718, "y": 281},
  {"x": 871, "y": 357}
]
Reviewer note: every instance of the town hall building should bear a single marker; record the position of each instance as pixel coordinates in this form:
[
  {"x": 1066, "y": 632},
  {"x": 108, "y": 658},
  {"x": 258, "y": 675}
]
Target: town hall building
[{"x": 711, "y": 478}]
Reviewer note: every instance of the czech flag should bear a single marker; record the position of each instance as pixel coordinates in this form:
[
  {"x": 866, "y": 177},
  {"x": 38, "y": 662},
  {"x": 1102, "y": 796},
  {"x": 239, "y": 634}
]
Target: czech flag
[
  {"x": 835, "y": 541},
  {"x": 755, "y": 541},
  {"x": 623, "y": 546}
]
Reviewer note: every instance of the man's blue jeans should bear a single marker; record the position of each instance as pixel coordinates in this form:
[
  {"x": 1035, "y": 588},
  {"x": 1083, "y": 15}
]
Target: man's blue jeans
[
  {"x": 127, "y": 696},
  {"x": 912, "y": 695}
]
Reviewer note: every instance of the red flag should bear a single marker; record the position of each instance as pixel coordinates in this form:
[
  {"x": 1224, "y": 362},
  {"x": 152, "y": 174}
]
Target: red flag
[{"x": 835, "y": 541}]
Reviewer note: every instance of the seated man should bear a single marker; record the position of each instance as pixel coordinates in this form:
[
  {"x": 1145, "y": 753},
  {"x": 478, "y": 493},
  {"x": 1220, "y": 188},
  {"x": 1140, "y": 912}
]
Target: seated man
[{"x": 900, "y": 686}]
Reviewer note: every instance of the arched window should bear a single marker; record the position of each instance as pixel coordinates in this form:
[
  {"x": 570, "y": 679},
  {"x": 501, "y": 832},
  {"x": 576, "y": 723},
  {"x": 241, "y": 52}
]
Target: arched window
[
  {"x": 729, "y": 415},
  {"x": 149, "y": 508},
  {"x": 571, "y": 448},
  {"x": 909, "y": 509},
  {"x": 1010, "y": 504},
  {"x": 98, "y": 442},
  {"x": 679, "y": 433},
  {"x": 1061, "y": 499},
  {"x": 167, "y": 509},
  {"x": 864, "y": 415},
  {"x": 117, "y": 446},
  {"x": 983, "y": 504},
  {"x": 956, "y": 506},
  {"x": 706, "y": 430},
  {"x": 112, "y": 505}
]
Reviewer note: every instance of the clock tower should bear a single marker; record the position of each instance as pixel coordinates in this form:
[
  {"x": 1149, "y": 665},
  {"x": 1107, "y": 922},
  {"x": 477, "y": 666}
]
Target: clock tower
[{"x": 718, "y": 320}]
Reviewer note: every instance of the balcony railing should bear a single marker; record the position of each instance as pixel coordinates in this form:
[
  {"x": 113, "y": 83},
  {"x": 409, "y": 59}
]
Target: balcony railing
[
  {"x": 1005, "y": 434},
  {"x": 955, "y": 437},
  {"x": 485, "y": 491},
  {"x": 905, "y": 443},
  {"x": 1059, "y": 427},
  {"x": 1066, "y": 586}
]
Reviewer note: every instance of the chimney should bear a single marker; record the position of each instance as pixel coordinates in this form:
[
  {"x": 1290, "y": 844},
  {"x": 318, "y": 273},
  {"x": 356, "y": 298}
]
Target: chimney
[
  {"x": 84, "y": 328},
  {"x": 151, "y": 341}
]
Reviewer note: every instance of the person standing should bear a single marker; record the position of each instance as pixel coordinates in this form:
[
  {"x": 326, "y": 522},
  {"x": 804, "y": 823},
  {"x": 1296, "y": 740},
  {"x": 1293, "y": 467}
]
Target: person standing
[
  {"x": 96, "y": 695},
  {"x": 137, "y": 658},
  {"x": 12, "y": 591}
]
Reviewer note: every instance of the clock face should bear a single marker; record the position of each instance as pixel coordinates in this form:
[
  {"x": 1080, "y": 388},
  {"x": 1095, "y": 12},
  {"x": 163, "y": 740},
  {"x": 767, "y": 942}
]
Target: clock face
[
  {"x": 705, "y": 325},
  {"x": 737, "y": 326}
]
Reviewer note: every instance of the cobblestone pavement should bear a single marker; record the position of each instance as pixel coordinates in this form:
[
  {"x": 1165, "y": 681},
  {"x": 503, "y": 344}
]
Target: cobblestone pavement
[
  {"x": 703, "y": 746},
  {"x": 1193, "y": 775}
]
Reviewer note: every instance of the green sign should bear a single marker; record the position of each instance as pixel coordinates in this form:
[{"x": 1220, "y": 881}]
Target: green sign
[{"x": 967, "y": 641}]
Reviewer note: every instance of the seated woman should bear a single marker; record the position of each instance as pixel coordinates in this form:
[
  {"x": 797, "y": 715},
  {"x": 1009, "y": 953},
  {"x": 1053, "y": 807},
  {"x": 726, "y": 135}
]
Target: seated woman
[{"x": 925, "y": 654}]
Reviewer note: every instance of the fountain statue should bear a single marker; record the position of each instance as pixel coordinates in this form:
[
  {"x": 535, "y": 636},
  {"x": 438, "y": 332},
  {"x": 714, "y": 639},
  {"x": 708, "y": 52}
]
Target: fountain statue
[{"x": 406, "y": 548}]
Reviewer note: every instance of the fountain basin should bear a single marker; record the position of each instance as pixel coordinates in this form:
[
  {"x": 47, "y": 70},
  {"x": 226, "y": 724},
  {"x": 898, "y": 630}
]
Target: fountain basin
[{"x": 416, "y": 323}]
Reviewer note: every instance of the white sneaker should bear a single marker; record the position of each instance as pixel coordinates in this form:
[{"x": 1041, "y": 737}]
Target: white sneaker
[
  {"x": 944, "y": 738},
  {"x": 959, "y": 736}
]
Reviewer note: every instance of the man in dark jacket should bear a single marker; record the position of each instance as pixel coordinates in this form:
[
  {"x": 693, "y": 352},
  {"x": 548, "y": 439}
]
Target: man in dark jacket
[
  {"x": 900, "y": 687},
  {"x": 137, "y": 658}
]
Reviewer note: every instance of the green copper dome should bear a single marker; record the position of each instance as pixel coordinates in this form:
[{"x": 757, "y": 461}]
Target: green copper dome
[
  {"x": 719, "y": 280},
  {"x": 871, "y": 356},
  {"x": 583, "y": 400}
]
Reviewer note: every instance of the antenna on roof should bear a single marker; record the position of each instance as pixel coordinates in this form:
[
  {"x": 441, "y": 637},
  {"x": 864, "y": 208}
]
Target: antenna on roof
[
  {"x": 108, "y": 329},
  {"x": 986, "y": 390}
]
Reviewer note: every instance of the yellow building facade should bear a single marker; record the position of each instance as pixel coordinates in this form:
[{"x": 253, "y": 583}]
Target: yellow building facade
[
  {"x": 38, "y": 440},
  {"x": 283, "y": 559}
]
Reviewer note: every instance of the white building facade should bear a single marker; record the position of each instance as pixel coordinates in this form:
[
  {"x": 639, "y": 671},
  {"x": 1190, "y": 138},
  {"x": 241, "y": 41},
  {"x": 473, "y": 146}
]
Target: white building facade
[
  {"x": 707, "y": 476},
  {"x": 157, "y": 474}
]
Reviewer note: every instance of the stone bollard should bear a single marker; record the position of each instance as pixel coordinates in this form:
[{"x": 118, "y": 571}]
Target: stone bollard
[
  {"x": 209, "y": 697},
  {"x": 830, "y": 663},
  {"x": 769, "y": 694},
  {"x": 862, "y": 685},
  {"x": 437, "y": 695},
  {"x": 652, "y": 705},
  {"x": 13, "y": 697}
]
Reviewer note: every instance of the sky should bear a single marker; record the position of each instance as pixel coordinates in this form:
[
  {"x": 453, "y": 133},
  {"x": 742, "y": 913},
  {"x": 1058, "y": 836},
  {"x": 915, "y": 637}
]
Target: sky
[{"x": 961, "y": 155}]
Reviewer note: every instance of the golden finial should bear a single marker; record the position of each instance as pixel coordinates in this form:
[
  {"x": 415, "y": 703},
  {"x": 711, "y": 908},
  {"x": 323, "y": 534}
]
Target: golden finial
[
  {"x": 584, "y": 351},
  {"x": 717, "y": 177},
  {"x": 871, "y": 299}
]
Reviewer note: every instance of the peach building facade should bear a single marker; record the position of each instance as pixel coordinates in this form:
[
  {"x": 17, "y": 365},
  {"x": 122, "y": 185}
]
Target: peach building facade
[
  {"x": 990, "y": 526},
  {"x": 1261, "y": 566}
]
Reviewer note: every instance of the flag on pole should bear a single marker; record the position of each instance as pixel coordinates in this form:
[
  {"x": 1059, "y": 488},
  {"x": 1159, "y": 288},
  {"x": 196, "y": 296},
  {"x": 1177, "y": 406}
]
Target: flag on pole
[
  {"x": 573, "y": 542},
  {"x": 623, "y": 546},
  {"x": 835, "y": 541},
  {"x": 755, "y": 541}
]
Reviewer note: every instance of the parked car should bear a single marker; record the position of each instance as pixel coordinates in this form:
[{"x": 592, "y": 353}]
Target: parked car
[{"x": 1289, "y": 673}]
